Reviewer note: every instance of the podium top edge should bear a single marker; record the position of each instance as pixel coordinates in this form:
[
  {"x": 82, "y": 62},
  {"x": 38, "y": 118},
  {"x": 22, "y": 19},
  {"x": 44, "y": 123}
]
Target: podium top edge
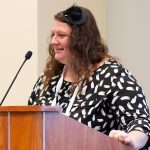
[{"x": 30, "y": 109}]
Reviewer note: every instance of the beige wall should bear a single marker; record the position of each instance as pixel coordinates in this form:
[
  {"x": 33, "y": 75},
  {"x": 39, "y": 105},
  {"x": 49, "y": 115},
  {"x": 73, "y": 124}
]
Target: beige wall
[
  {"x": 128, "y": 32},
  {"x": 18, "y": 34}
]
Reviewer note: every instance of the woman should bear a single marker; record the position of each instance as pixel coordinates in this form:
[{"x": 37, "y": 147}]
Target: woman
[{"x": 88, "y": 83}]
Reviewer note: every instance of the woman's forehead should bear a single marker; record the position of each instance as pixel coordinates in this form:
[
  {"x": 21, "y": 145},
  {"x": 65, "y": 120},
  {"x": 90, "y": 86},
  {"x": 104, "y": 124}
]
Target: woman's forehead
[{"x": 61, "y": 26}]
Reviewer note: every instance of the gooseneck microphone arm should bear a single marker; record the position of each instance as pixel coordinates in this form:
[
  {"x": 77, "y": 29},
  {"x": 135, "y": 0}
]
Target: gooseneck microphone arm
[{"x": 27, "y": 56}]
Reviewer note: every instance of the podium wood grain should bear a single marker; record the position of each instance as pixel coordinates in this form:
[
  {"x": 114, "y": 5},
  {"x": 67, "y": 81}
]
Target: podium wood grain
[
  {"x": 45, "y": 128},
  {"x": 3, "y": 131}
]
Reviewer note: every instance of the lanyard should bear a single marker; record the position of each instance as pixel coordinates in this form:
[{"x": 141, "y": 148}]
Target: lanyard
[{"x": 72, "y": 99}]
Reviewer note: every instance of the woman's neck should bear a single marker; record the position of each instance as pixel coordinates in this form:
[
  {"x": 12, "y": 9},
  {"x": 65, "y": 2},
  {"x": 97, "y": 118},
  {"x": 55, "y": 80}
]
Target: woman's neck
[{"x": 69, "y": 74}]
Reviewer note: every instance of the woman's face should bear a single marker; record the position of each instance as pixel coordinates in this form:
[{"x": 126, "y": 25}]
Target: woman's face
[{"x": 60, "y": 35}]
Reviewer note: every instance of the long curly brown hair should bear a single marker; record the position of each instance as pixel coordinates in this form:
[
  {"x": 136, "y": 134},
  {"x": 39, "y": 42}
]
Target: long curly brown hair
[{"x": 86, "y": 48}]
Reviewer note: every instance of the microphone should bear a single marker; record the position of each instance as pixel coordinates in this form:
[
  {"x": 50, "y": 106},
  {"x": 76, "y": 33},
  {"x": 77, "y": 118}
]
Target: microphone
[{"x": 27, "y": 56}]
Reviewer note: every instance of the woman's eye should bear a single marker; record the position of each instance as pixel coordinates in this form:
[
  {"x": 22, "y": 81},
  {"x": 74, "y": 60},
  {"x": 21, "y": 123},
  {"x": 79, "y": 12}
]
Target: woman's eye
[
  {"x": 52, "y": 35},
  {"x": 61, "y": 35}
]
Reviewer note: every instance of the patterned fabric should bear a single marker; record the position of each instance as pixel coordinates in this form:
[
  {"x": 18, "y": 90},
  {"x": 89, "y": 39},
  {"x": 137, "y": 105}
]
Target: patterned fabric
[{"x": 111, "y": 99}]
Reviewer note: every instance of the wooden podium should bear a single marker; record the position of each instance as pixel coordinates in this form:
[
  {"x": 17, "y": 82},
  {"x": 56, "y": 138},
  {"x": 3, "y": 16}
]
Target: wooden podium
[{"x": 45, "y": 128}]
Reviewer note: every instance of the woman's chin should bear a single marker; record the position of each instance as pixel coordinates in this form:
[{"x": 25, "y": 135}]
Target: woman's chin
[{"x": 60, "y": 59}]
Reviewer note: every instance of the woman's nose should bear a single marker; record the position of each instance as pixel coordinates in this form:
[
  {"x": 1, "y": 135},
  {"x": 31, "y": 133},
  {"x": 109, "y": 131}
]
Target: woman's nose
[{"x": 54, "y": 40}]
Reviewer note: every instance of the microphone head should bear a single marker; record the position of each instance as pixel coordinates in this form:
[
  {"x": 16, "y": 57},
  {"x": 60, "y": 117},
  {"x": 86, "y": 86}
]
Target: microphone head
[{"x": 28, "y": 55}]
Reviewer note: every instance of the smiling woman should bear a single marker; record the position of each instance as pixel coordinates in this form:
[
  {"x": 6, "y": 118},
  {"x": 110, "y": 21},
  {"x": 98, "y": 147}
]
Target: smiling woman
[
  {"x": 60, "y": 40},
  {"x": 91, "y": 86}
]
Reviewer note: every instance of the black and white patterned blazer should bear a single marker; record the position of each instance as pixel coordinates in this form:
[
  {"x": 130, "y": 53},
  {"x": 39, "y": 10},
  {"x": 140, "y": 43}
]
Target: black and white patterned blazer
[{"x": 111, "y": 99}]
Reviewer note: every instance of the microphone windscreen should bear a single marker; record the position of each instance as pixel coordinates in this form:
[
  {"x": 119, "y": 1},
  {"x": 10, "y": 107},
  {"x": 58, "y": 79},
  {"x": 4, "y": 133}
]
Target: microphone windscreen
[{"x": 28, "y": 55}]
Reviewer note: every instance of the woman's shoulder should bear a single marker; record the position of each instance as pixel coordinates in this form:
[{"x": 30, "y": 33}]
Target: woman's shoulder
[
  {"x": 113, "y": 68},
  {"x": 41, "y": 77},
  {"x": 111, "y": 65}
]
